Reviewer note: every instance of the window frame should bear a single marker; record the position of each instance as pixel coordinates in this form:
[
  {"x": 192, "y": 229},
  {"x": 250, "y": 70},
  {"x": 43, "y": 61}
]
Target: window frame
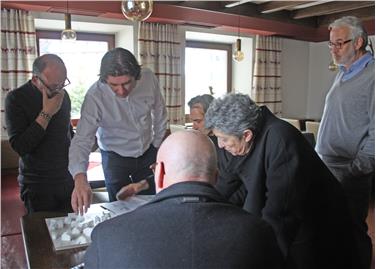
[
  {"x": 46, "y": 34},
  {"x": 216, "y": 46},
  {"x": 84, "y": 36}
]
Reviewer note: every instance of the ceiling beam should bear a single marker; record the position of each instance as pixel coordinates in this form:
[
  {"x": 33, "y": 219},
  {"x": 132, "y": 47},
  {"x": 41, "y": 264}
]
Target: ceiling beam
[
  {"x": 237, "y": 3},
  {"x": 365, "y": 13},
  {"x": 330, "y": 8},
  {"x": 274, "y": 6}
]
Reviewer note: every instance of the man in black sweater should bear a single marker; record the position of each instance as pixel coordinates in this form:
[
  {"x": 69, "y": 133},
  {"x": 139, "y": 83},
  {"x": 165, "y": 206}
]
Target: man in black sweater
[{"x": 38, "y": 123}]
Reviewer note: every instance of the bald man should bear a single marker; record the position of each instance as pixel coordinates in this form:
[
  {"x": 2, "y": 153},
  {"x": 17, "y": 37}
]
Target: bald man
[
  {"x": 37, "y": 117},
  {"x": 198, "y": 106},
  {"x": 188, "y": 224}
]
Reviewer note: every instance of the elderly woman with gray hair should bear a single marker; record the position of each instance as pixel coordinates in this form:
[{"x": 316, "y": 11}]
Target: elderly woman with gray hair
[{"x": 286, "y": 183}]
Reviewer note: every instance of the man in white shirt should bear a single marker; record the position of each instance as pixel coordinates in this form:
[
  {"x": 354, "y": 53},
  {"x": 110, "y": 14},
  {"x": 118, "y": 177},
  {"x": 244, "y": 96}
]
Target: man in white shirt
[{"x": 125, "y": 110}]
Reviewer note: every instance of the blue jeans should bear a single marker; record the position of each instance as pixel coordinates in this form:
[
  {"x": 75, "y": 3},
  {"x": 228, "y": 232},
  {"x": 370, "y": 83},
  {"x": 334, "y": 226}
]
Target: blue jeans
[{"x": 120, "y": 171}]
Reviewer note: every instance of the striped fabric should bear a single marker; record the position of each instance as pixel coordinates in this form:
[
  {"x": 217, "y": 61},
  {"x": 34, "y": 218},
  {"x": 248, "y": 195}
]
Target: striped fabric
[
  {"x": 159, "y": 49},
  {"x": 18, "y": 51},
  {"x": 266, "y": 87}
]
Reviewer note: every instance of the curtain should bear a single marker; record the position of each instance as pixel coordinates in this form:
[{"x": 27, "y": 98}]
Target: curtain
[
  {"x": 18, "y": 51},
  {"x": 266, "y": 86},
  {"x": 159, "y": 50}
]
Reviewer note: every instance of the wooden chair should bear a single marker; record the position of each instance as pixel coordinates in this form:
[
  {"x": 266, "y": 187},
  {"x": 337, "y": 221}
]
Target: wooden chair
[
  {"x": 293, "y": 122},
  {"x": 312, "y": 127}
]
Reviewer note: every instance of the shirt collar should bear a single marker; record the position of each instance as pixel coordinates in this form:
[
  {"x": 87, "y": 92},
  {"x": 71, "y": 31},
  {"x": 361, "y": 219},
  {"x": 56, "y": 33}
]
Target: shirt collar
[{"x": 358, "y": 65}]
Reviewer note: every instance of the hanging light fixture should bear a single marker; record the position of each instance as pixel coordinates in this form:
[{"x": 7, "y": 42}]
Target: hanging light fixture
[
  {"x": 68, "y": 33},
  {"x": 238, "y": 55},
  {"x": 135, "y": 10},
  {"x": 332, "y": 66}
]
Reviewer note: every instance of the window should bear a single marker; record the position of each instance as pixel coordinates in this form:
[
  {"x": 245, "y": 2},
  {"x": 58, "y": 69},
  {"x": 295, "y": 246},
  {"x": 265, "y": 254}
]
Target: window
[
  {"x": 81, "y": 57},
  {"x": 207, "y": 69}
]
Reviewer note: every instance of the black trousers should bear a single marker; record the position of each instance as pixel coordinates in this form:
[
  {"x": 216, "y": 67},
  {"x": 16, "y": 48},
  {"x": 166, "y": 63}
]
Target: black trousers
[
  {"x": 358, "y": 191},
  {"x": 47, "y": 197},
  {"x": 120, "y": 171}
]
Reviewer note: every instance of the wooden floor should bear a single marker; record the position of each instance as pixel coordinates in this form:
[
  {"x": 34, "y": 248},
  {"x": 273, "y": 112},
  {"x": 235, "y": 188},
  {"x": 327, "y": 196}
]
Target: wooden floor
[
  {"x": 12, "y": 250},
  {"x": 12, "y": 209}
]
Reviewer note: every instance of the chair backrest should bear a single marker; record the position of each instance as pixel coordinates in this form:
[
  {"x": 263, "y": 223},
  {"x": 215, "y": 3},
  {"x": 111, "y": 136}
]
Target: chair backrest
[
  {"x": 293, "y": 122},
  {"x": 176, "y": 127},
  {"x": 312, "y": 127}
]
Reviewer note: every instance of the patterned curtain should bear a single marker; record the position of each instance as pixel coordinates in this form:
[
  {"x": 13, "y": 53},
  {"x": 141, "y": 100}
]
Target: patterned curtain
[
  {"x": 266, "y": 87},
  {"x": 18, "y": 51},
  {"x": 159, "y": 50}
]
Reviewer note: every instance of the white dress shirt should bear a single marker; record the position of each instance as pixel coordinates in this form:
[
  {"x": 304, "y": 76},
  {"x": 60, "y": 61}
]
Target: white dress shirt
[{"x": 127, "y": 126}]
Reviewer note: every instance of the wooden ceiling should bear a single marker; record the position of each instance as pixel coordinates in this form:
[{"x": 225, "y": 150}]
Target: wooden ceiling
[{"x": 302, "y": 20}]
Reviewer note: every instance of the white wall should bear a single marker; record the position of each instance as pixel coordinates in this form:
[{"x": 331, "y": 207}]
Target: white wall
[
  {"x": 306, "y": 78},
  {"x": 125, "y": 38},
  {"x": 320, "y": 79},
  {"x": 242, "y": 71},
  {"x": 295, "y": 59}
]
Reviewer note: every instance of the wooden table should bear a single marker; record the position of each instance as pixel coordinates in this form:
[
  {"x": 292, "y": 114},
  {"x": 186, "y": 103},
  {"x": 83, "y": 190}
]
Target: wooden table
[
  {"x": 39, "y": 248},
  {"x": 38, "y": 244}
]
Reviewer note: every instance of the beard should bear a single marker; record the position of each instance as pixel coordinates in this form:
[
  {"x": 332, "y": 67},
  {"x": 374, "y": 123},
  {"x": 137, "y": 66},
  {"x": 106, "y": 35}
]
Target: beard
[{"x": 344, "y": 59}]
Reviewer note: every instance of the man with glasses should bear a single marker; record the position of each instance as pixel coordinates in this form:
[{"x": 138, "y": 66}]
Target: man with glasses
[
  {"x": 38, "y": 123},
  {"x": 346, "y": 137},
  {"x": 125, "y": 110}
]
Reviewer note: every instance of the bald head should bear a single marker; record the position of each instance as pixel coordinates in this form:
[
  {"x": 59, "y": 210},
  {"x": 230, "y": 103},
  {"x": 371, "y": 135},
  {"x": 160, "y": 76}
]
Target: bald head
[
  {"x": 50, "y": 61},
  {"x": 186, "y": 156},
  {"x": 50, "y": 73}
]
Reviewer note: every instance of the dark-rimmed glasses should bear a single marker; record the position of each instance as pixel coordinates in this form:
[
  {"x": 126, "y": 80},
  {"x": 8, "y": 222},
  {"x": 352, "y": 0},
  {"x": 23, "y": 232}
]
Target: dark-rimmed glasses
[
  {"x": 58, "y": 88},
  {"x": 338, "y": 45}
]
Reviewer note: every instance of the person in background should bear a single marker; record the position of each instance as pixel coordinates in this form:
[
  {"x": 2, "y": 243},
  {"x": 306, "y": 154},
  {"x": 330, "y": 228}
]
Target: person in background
[
  {"x": 37, "y": 116},
  {"x": 346, "y": 137},
  {"x": 188, "y": 224},
  {"x": 126, "y": 111},
  {"x": 198, "y": 106},
  {"x": 286, "y": 183}
]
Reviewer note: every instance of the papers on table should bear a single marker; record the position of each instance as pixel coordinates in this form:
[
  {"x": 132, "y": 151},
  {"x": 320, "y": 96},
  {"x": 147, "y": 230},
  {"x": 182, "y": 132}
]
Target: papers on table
[{"x": 130, "y": 204}]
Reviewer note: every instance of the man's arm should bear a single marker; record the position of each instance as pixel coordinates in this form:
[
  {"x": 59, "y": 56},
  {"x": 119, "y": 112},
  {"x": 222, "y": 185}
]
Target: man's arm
[
  {"x": 159, "y": 114},
  {"x": 25, "y": 136},
  {"x": 79, "y": 152},
  {"x": 364, "y": 162}
]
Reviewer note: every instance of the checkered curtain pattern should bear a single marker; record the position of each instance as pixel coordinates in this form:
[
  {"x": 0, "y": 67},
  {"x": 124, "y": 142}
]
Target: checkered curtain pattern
[
  {"x": 159, "y": 50},
  {"x": 266, "y": 86},
  {"x": 18, "y": 51}
]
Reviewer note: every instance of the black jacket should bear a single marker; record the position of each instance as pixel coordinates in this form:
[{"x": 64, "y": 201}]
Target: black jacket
[
  {"x": 285, "y": 182},
  {"x": 188, "y": 225}
]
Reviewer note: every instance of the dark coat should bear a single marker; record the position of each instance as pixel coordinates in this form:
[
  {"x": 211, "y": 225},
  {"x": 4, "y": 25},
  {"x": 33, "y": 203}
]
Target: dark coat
[
  {"x": 188, "y": 225},
  {"x": 284, "y": 181}
]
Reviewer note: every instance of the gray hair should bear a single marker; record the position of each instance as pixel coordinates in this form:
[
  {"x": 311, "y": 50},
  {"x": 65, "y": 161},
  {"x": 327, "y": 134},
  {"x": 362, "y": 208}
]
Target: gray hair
[
  {"x": 203, "y": 100},
  {"x": 356, "y": 28},
  {"x": 41, "y": 62},
  {"x": 119, "y": 62},
  {"x": 233, "y": 114}
]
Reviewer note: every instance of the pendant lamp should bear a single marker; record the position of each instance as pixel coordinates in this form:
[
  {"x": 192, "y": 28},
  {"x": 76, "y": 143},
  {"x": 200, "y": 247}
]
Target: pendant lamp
[
  {"x": 68, "y": 33},
  {"x": 238, "y": 55},
  {"x": 135, "y": 10}
]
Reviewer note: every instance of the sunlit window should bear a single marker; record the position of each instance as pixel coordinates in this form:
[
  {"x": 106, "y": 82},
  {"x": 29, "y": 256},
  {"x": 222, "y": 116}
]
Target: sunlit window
[
  {"x": 206, "y": 72},
  {"x": 82, "y": 59}
]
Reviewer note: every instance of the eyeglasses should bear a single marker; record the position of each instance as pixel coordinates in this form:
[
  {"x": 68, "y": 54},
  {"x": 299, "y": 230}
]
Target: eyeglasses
[
  {"x": 338, "y": 45},
  {"x": 56, "y": 89}
]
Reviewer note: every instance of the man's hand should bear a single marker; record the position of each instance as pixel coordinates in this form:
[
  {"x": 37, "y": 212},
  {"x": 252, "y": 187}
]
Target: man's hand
[
  {"x": 51, "y": 105},
  {"x": 132, "y": 189},
  {"x": 81, "y": 195}
]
